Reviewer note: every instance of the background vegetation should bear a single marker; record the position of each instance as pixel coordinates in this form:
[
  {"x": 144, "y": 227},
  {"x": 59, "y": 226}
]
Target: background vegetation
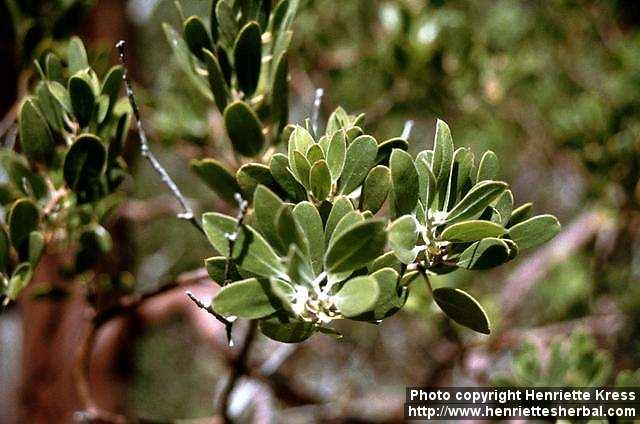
[{"x": 552, "y": 86}]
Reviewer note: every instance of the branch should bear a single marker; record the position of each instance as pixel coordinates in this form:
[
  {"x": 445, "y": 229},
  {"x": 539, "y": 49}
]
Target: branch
[{"x": 146, "y": 152}]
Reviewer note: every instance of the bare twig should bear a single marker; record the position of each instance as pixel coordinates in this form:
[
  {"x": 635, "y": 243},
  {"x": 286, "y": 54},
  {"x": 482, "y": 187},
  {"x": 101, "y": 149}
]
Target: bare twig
[
  {"x": 187, "y": 213},
  {"x": 406, "y": 131},
  {"x": 228, "y": 324}
]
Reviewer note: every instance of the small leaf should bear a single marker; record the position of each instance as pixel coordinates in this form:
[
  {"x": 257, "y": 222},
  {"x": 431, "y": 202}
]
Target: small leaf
[
  {"x": 252, "y": 174},
  {"x": 357, "y": 296},
  {"x": 82, "y": 99},
  {"x": 489, "y": 167},
  {"x": 23, "y": 218},
  {"x": 504, "y": 206},
  {"x": 250, "y": 298},
  {"x": 217, "y": 177},
  {"x": 391, "y": 298},
  {"x": 36, "y": 247},
  {"x": 53, "y": 66},
  {"x": 196, "y": 36},
  {"x": 310, "y": 222},
  {"x": 315, "y": 153},
  {"x": 60, "y": 93},
  {"x": 83, "y": 165},
  {"x": 520, "y": 214},
  {"x": 404, "y": 183},
  {"x": 426, "y": 179},
  {"x": 112, "y": 83},
  {"x": 388, "y": 260},
  {"x": 403, "y": 234},
  {"x": 287, "y": 332},
  {"x": 247, "y": 53},
  {"x": 338, "y": 120},
  {"x": 359, "y": 159},
  {"x": 76, "y": 56},
  {"x": 217, "y": 81},
  {"x": 244, "y": 129},
  {"x": 301, "y": 168},
  {"x": 35, "y": 137},
  {"x": 217, "y": 266},
  {"x": 336, "y": 152},
  {"x": 19, "y": 280},
  {"x": 320, "y": 180},
  {"x": 484, "y": 254},
  {"x": 459, "y": 177},
  {"x": 300, "y": 141},
  {"x": 280, "y": 93},
  {"x": 442, "y": 153},
  {"x": 250, "y": 251},
  {"x": 347, "y": 221},
  {"x": 473, "y": 204},
  {"x": 227, "y": 24},
  {"x": 376, "y": 188},
  {"x": 299, "y": 270},
  {"x": 341, "y": 207},
  {"x": 279, "y": 167},
  {"x": 467, "y": 231},
  {"x": 5, "y": 247},
  {"x": 534, "y": 231},
  {"x": 289, "y": 230},
  {"x": 462, "y": 308},
  {"x": 386, "y": 147},
  {"x": 358, "y": 246}
]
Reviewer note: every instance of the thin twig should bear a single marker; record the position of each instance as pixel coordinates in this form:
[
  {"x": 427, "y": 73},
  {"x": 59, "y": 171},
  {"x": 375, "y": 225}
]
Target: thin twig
[
  {"x": 406, "y": 131},
  {"x": 228, "y": 323},
  {"x": 187, "y": 213}
]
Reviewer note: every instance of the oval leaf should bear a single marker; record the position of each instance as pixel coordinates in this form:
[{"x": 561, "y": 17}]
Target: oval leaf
[
  {"x": 250, "y": 298},
  {"x": 357, "y": 296},
  {"x": 320, "y": 180},
  {"x": 244, "y": 129},
  {"x": 217, "y": 81},
  {"x": 403, "y": 234},
  {"x": 474, "y": 203},
  {"x": 247, "y": 54},
  {"x": 83, "y": 166},
  {"x": 534, "y": 231},
  {"x": 358, "y": 246},
  {"x": 82, "y": 99},
  {"x": 404, "y": 183},
  {"x": 484, "y": 254},
  {"x": 35, "y": 137},
  {"x": 217, "y": 177},
  {"x": 287, "y": 332},
  {"x": 462, "y": 308},
  {"x": 467, "y": 231},
  {"x": 359, "y": 159},
  {"x": 376, "y": 188},
  {"x": 197, "y": 36}
]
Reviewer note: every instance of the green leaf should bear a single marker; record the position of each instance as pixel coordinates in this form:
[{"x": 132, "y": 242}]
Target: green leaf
[
  {"x": 280, "y": 94},
  {"x": 21, "y": 176},
  {"x": 299, "y": 270},
  {"x": 386, "y": 147},
  {"x": 489, "y": 167},
  {"x": 217, "y": 266},
  {"x": 426, "y": 179},
  {"x": 310, "y": 222},
  {"x": 403, "y": 234},
  {"x": 534, "y": 231},
  {"x": 336, "y": 152},
  {"x": 49, "y": 107},
  {"x": 359, "y": 159},
  {"x": 404, "y": 183},
  {"x": 320, "y": 180},
  {"x": 357, "y": 296},
  {"x": 279, "y": 167},
  {"x": 112, "y": 83},
  {"x": 442, "y": 153},
  {"x": 76, "y": 56},
  {"x": 217, "y": 177},
  {"x": 266, "y": 205},
  {"x": 35, "y": 137},
  {"x": 36, "y": 247},
  {"x": 217, "y": 82},
  {"x": 504, "y": 206},
  {"x": 60, "y": 93},
  {"x": 341, "y": 207},
  {"x": 347, "y": 221},
  {"x": 520, "y": 214},
  {"x": 82, "y": 99},
  {"x": 391, "y": 298},
  {"x": 467, "y": 231},
  {"x": 226, "y": 21},
  {"x": 53, "y": 66},
  {"x": 250, "y": 298},
  {"x": 5, "y": 247},
  {"x": 315, "y": 153},
  {"x": 300, "y": 141},
  {"x": 301, "y": 168},
  {"x": 287, "y": 332},
  {"x": 196, "y": 36},
  {"x": 484, "y": 254},
  {"x": 462, "y": 308},
  {"x": 84, "y": 164},
  {"x": 376, "y": 188},
  {"x": 247, "y": 54},
  {"x": 252, "y": 174},
  {"x": 244, "y": 129},
  {"x": 338, "y": 120},
  {"x": 473, "y": 204},
  {"x": 459, "y": 176},
  {"x": 19, "y": 280},
  {"x": 388, "y": 260},
  {"x": 289, "y": 230},
  {"x": 250, "y": 251},
  {"x": 23, "y": 218},
  {"x": 358, "y": 246}
]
